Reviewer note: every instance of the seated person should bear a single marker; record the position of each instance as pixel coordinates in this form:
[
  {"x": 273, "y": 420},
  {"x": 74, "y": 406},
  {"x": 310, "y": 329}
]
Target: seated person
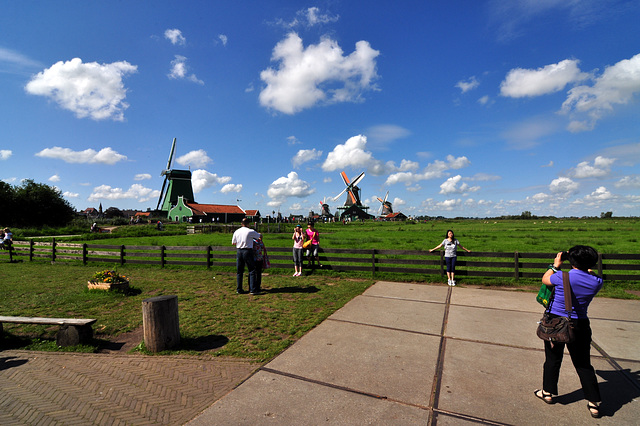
[{"x": 5, "y": 243}]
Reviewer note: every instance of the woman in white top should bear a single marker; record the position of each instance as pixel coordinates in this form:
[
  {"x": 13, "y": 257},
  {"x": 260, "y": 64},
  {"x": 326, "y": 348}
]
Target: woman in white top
[{"x": 450, "y": 255}]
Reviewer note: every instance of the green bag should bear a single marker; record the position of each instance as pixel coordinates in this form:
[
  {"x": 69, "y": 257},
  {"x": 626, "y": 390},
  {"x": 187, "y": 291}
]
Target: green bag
[{"x": 544, "y": 295}]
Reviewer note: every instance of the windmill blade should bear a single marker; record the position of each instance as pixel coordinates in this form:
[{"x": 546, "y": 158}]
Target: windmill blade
[
  {"x": 345, "y": 178},
  {"x": 161, "y": 192},
  {"x": 380, "y": 209},
  {"x": 173, "y": 149},
  {"x": 353, "y": 198},
  {"x": 340, "y": 194},
  {"x": 358, "y": 179},
  {"x": 380, "y": 199},
  {"x": 386, "y": 196}
]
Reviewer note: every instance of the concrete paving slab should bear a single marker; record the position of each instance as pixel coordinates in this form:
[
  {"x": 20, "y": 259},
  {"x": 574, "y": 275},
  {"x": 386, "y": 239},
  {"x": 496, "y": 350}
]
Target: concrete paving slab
[
  {"x": 411, "y": 291},
  {"x": 616, "y": 309},
  {"x": 493, "y": 325},
  {"x": 268, "y": 398},
  {"x": 619, "y": 339},
  {"x": 498, "y": 299},
  {"x": 402, "y": 314},
  {"x": 496, "y": 383},
  {"x": 394, "y": 364},
  {"x": 631, "y": 369}
]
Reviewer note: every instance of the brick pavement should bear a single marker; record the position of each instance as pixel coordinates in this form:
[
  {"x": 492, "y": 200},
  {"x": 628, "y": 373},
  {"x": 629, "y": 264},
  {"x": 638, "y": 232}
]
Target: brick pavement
[{"x": 79, "y": 389}]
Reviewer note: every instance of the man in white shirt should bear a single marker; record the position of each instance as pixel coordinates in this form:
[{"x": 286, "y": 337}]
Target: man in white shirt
[{"x": 243, "y": 240}]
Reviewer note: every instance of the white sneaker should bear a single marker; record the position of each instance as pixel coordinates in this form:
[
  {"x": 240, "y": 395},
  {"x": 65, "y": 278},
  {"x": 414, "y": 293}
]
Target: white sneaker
[
  {"x": 453, "y": 283},
  {"x": 449, "y": 282}
]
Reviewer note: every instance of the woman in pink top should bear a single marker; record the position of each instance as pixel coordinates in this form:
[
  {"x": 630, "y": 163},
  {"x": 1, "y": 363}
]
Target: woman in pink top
[{"x": 312, "y": 251}]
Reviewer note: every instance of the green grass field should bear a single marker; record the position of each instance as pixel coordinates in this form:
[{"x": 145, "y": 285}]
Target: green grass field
[{"x": 216, "y": 321}]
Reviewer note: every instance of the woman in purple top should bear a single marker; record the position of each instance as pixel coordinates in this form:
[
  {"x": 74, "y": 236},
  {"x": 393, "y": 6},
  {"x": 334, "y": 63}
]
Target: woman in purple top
[{"x": 584, "y": 286}]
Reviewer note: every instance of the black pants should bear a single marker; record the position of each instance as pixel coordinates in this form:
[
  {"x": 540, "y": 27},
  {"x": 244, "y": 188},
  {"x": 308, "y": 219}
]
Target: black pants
[{"x": 579, "y": 350}]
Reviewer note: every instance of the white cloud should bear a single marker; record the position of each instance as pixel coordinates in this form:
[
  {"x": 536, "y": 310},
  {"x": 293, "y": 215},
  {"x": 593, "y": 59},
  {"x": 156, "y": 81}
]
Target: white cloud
[
  {"x": 197, "y": 158},
  {"x": 135, "y": 192},
  {"x": 5, "y": 154},
  {"x": 202, "y": 179},
  {"x": 550, "y": 164},
  {"x": 450, "y": 186},
  {"x": 230, "y": 187},
  {"x": 563, "y": 186},
  {"x": 304, "y": 156},
  {"x": 68, "y": 194},
  {"x": 628, "y": 182},
  {"x": 617, "y": 85},
  {"x": 466, "y": 85},
  {"x": 17, "y": 60},
  {"x": 88, "y": 90},
  {"x": 180, "y": 71},
  {"x": 484, "y": 100},
  {"x": 434, "y": 170},
  {"x": 600, "y": 194},
  {"x": 382, "y": 135},
  {"x": 223, "y": 38},
  {"x": 292, "y": 140},
  {"x": 601, "y": 167},
  {"x": 549, "y": 79},
  {"x": 308, "y": 18},
  {"x": 142, "y": 176},
  {"x": 175, "y": 36},
  {"x": 88, "y": 156},
  {"x": 318, "y": 74},
  {"x": 54, "y": 178},
  {"x": 352, "y": 154},
  {"x": 288, "y": 186}
]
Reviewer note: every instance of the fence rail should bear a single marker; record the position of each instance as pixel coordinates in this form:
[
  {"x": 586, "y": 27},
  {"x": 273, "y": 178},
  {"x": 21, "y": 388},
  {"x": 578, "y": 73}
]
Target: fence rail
[{"x": 477, "y": 264}]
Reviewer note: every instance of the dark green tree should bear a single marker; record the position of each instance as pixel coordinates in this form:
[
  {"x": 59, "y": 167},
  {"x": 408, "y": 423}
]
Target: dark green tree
[
  {"x": 7, "y": 204},
  {"x": 38, "y": 205},
  {"x": 112, "y": 212}
]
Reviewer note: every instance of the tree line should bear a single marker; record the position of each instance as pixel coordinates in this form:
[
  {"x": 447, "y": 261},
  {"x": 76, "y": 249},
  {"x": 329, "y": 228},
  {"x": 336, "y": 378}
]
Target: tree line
[{"x": 32, "y": 204}]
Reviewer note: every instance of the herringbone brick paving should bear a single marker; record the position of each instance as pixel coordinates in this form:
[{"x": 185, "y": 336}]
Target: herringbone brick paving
[{"x": 42, "y": 388}]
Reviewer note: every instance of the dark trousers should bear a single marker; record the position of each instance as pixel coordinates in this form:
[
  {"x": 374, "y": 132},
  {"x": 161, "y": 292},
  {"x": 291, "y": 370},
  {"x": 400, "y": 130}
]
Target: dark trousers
[
  {"x": 579, "y": 350},
  {"x": 245, "y": 257}
]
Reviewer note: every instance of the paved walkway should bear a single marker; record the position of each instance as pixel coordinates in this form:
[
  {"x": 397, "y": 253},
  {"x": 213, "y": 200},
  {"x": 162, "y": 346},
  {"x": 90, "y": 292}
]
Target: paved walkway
[{"x": 398, "y": 354}]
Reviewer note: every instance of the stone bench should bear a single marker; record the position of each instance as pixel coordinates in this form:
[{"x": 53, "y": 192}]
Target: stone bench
[{"x": 73, "y": 331}]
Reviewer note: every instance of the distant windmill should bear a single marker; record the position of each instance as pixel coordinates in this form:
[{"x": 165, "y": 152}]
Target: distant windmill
[
  {"x": 325, "y": 207},
  {"x": 385, "y": 206},
  {"x": 351, "y": 189},
  {"x": 179, "y": 184}
]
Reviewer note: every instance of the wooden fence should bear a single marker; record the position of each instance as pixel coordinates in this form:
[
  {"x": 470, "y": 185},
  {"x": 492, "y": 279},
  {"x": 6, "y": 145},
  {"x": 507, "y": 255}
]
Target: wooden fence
[{"x": 513, "y": 265}]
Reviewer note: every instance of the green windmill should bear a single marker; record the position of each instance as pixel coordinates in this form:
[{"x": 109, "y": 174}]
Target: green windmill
[{"x": 179, "y": 185}]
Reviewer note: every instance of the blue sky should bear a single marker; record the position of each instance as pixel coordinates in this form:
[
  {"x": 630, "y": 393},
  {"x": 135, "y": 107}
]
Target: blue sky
[{"x": 462, "y": 108}]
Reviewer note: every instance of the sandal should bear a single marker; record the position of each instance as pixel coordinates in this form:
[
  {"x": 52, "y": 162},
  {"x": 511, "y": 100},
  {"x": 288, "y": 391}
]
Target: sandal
[
  {"x": 545, "y": 396},
  {"x": 594, "y": 409}
]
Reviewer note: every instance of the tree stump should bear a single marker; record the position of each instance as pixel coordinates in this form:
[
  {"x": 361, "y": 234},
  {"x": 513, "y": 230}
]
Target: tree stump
[{"x": 160, "y": 323}]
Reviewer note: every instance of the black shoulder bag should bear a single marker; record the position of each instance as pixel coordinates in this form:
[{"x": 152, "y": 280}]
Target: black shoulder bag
[{"x": 558, "y": 329}]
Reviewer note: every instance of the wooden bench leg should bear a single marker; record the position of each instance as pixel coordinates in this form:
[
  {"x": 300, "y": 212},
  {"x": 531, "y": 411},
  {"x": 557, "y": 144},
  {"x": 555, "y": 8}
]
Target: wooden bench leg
[{"x": 71, "y": 335}]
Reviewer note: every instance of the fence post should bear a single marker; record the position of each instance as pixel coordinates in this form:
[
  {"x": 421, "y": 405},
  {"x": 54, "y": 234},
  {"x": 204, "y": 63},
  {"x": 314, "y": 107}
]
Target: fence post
[
  {"x": 53, "y": 250},
  {"x": 209, "y": 257},
  {"x": 85, "y": 253},
  {"x": 122, "y": 254},
  {"x": 373, "y": 263},
  {"x": 31, "y": 250},
  {"x": 442, "y": 263},
  {"x": 517, "y": 265},
  {"x": 162, "y": 260},
  {"x": 600, "y": 264}
]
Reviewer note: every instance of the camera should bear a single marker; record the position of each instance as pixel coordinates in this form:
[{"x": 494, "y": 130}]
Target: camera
[{"x": 564, "y": 256}]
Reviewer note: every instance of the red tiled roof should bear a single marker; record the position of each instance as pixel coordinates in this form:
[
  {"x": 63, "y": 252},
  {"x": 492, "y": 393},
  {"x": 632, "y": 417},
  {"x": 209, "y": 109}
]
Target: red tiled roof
[
  {"x": 202, "y": 209},
  {"x": 251, "y": 212}
]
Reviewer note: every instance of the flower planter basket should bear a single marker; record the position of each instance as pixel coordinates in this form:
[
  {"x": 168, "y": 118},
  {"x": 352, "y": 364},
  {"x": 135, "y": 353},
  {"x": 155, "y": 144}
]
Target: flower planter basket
[{"x": 94, "y": 285}]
